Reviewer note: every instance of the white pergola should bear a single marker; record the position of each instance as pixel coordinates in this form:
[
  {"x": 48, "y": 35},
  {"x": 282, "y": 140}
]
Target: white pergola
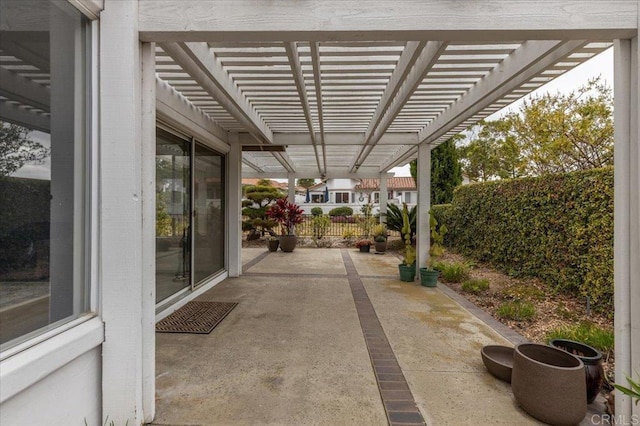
[
  {"x": 304, "y": 89},
  {"x": 298, "y": 89},
  {"x": 285, "y": 89}
]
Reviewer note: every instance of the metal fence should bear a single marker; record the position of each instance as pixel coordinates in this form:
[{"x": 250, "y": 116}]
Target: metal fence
[{"x": 338, "y": 226}]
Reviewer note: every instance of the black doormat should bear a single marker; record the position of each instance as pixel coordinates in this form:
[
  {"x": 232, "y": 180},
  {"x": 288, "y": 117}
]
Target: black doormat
[{"x": 195, "y": 317}]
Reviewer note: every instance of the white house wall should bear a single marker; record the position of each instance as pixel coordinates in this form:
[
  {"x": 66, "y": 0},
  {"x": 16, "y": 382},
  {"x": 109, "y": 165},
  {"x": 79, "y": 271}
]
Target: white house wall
[{"x": 70, "y": 395}]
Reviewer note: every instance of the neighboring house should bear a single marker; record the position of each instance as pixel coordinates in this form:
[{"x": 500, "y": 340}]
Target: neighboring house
[{"x": 355, "y": 193}]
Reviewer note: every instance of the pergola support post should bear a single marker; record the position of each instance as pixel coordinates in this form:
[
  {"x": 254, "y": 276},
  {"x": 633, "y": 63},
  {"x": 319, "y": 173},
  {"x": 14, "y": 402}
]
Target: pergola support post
[
  {"x": 626, "y": 220},
  {"x": 423, "y": 238},
  {"x": 383, "y": 197},
  {"x": 291, "y": 196},
  {"x": 234, "y": 227}
]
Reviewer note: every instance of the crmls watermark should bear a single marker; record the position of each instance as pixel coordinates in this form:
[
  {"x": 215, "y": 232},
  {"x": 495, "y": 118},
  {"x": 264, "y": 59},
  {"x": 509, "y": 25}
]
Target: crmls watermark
[{"x": 608, "y": 419}]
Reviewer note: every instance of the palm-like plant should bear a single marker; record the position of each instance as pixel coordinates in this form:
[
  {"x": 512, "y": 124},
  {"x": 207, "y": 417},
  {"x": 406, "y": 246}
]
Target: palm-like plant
[
  {"x": 394, "y": 218},
  {"x": 287, "y": 214}
]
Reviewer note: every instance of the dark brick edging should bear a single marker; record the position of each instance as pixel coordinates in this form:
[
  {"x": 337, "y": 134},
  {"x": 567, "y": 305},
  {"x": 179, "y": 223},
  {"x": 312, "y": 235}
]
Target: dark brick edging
[
  {"x": 508, "y": 333},
  {"x": 253, "y": 262},
  {"x": 397, "y": 399}
]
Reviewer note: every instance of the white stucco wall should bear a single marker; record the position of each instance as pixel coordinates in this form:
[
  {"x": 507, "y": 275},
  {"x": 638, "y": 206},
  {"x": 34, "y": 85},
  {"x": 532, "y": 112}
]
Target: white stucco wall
[{"x": 69, "y": 396}]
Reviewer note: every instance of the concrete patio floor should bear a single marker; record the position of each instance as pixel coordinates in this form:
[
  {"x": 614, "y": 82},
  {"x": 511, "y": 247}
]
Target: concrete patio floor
[{"x": 298, "y": 350}]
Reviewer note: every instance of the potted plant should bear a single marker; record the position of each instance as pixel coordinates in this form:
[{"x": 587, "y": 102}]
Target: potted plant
[
  {"x": 273, "y": 244},
  {"x": 287, "y": 215},
  {"x": 429, "y": 275},
  {"x": 380, "y": 237},
  {"x": 408, "y": 266},
  {"x": 364, "y": 245}
]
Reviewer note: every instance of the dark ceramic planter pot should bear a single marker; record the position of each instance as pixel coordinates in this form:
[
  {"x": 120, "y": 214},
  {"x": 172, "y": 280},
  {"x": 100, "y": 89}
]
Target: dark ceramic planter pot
[
  {"x": 592, "y": 359},
  {"x": 498, "y": 360},
  {"x": 381, "y": 247},
  {"x": 365, "y": 249},
  {"x": 273, "y": 245},
  {"x": 429, "y": 278},
  {"x": 549, "y": 384},
  {"x": 288, "y": 243},
  {"x": 407, "y": 273}
]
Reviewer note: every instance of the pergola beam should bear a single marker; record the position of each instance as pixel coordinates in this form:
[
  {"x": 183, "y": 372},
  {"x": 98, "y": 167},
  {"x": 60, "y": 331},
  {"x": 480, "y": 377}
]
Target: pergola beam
[
  {"x": 531, "y": 58},
  {"x": 408, "y": 75},
  {"x": 252, "y": 162},
  {"x": 379, "y": 20},
  {"x": 334, "y": 138},
  {"x": 199, "y": 62},
  {"x": 315, "y": 62},
  {"x": 296, "y": 69}
]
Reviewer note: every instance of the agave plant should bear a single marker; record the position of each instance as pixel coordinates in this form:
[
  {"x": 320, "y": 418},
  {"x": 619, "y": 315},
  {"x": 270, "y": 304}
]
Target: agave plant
[{"x": 394, "y": 218}]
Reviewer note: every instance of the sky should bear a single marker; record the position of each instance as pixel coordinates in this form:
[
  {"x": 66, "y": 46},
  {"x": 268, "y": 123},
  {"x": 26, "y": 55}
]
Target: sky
[{"x": 601, "y": 64}]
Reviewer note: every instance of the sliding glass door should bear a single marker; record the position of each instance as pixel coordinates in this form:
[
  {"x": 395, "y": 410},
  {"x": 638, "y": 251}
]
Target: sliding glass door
[
  {"x": 190, "y": 211},
  {"x": 173, "y": 207},
  {"x": 208, "y": 220}
]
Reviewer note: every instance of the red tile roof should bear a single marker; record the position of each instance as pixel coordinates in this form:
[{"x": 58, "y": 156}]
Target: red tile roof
[{"x": 392, "y": 183}]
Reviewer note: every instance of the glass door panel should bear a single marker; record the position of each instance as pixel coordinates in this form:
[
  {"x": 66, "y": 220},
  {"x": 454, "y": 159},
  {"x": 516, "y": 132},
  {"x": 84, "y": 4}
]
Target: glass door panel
[
  {"x": 173, "y": 189},
  {"x": 208, "y": 220}
]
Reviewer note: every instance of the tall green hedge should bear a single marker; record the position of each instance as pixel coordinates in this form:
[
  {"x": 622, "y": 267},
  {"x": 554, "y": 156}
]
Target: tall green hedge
[{"x": 557, "y": 227}]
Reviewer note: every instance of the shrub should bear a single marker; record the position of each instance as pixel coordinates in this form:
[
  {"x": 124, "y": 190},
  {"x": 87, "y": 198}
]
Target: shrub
[
  {"x": 475, "y": 286},
  {"x": 341, "y": 211},
  {"x": 453, "y": 272},
  {"x": 320, "y": 226},
  {"x": 316, "y": 211},
  {"x": 585, "y": 332},
  {"x": 348, "y": 234},
  {"x": 343, "y": 219},
  {"x": 555, "y": 227},
  {"x": 517, "y": 311},
  {"x": 523, "y": 292}
]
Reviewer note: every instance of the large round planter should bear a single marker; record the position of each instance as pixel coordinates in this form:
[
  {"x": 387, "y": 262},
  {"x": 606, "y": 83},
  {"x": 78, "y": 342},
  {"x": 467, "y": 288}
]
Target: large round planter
[
  {"x": 407, "y": 273},
  {"x": 273, "y": 245},
  {"x": 288, "y": 243},
  {"x": 428, "y": 278},
  {"x": 381, "y": 247},
  {"x": 549, "y": 384},
  {"x": 592, "y": 359}
]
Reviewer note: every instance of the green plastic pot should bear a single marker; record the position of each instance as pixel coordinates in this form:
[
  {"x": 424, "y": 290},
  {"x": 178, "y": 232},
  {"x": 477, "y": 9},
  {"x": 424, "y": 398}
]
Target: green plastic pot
[
  {"x": 407, "y": 273},
  {"x": 428, "y": 278}
]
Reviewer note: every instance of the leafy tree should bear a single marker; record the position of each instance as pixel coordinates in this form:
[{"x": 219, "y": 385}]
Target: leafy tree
[
  {"x": 481, "y": 156},
  {"x": 16, "y": 149},
  {"x": 552, "y": 133},
  {"x": 306, "y": 183},
  {"x": 560, "y": 133},
  {"x": 446, "y": 172}
]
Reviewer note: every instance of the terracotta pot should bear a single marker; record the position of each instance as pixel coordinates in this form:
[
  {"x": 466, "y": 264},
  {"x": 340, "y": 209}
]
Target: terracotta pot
[
  {"x": 592, "y": 359},
  {"x": 288, "y": 243},
  {"x": 549, "y": 384},
  {"x": 381, "y": 247}
]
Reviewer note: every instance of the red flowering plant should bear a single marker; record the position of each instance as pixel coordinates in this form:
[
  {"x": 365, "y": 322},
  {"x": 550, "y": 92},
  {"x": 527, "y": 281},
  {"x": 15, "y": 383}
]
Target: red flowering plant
[{"x": 287, "y": 214}]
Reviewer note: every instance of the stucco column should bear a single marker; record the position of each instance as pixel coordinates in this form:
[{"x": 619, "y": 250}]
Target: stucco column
[
  {"x": 424, "y": 204},
  {"x": 291, "y": 196},
  {"x": 626, "y": 240},
  {"x": 234, "y": 208},
  {"x": 383, "y": 197},
  {"x": 121, "y": 221}
]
